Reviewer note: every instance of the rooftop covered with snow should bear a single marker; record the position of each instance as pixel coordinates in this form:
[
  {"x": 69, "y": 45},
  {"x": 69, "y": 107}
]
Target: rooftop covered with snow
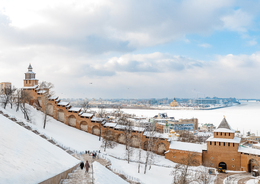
[
  {"x": 109, "y": 124},
  {"x": 30, "y": 87},
  {"x": 63, "y": 103},
  {"x": 53, "y": 97},
  {"x": 41, "y": 91},
  {"x": 97, "y": 119},
  {"x": 139, "y": 129},
  {"x": 249, "y": 150},
  {"x": 234, "y": 140},
  {"x": 185, "y": 146},
  {"x": 75, "y": 109},
  {"x": 156, "y": 134},
  {"x": 85, "y": 114}
]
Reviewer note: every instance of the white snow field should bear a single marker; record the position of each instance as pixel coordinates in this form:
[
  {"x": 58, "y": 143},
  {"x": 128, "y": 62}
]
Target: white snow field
[
  {"x": 81, "y": 141},
  {"x": 103, "y": 175},
  {"x": 26, "y": 157},
  {"x": 243, "y": 117}
]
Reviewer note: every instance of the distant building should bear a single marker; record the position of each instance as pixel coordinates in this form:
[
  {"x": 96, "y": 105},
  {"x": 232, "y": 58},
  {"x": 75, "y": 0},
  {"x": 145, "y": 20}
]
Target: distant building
[
  {"x": 184, "y": 124},
  {"x": 207, "y": 127},
  {"x": 165, "y": 123},
  {"x": 4, "y": 86},
  {"x": 253, "y": 138},
  {"x": 206, "y": 101},
  {"x": 174, "y": 103}
]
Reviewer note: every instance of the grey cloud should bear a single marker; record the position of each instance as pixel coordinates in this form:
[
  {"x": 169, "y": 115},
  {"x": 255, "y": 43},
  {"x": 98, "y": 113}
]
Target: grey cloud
[
  {"x": 150, "y": 63},
  {"x": 121, "y": 26}
]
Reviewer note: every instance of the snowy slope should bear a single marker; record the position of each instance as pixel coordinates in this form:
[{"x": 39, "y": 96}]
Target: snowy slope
[
  {"x": 71, "y": 137},
  {"x": 81, "y": 141},
  {"x": 103, "y": 175},
  {"x": 26, "y": 157}
]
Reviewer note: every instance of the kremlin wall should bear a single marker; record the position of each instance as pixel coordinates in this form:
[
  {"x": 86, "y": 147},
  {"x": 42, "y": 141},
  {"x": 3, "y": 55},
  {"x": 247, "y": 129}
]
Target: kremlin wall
[
  {"x": 222, "y": 150},
  {"x": 71, "y": 116}
]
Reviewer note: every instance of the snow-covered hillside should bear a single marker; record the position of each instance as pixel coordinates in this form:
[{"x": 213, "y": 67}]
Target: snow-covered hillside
[
  {"x": 26, "y": 157},
  {"x": 103, "y": 175},
  {"x": 80, "y": 141}
]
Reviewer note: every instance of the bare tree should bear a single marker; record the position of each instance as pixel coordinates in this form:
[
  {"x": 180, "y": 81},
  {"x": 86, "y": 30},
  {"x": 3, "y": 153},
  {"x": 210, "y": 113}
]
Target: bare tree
[
  {"x": 6, "y": 97},
  {"x": 18, "y": 101},
  {"x": 13, "y": 97},
  {"x": 108, "y": 140},
  {"x": 25, "y": 97},
  {"x": 203, "y": 176},
  {"x": 127, "y": 128},
  {"x": 139, "y": 139},
  {"x": 117, "y": 111},
  {"x": 85, "y": 105},
  {"x": 180, "y": 172},
  {"x": 187, "y": 136},
  {"x": 101, "y": 114},
  {"x": 151, "y": 145},
  {"x": 46, "y": 91}
]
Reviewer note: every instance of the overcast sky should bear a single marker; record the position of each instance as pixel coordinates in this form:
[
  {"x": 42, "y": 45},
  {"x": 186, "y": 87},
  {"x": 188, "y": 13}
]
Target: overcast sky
[{"x": 133, "y": 48}]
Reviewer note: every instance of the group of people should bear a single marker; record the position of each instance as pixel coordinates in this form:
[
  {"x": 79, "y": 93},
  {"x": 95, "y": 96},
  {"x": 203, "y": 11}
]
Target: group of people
[
  {"x": 94, "y": 153},
  {"x": 87, "y": 166}
]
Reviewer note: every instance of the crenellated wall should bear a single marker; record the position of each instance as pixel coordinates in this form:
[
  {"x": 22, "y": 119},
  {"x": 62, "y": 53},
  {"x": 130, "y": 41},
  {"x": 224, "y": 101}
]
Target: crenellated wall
[{"x": 74, "y": 117}]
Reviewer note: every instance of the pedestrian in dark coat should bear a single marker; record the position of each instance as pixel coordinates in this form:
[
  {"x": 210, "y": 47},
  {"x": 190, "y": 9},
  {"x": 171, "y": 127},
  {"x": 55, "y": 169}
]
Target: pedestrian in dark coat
[
  {"x": 87, "y": 166},
  {"x": 82, "y": 165}
]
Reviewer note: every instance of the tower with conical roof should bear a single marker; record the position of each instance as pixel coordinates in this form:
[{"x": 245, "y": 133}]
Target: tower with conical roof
[
  {"x": 30, "y": 80},
  {"x": 222, "y": 148}
]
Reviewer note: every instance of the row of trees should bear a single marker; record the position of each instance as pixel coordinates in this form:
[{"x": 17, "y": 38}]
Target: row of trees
[
  {"x": 109, "y": 139},
  {"x": 187, "y": 136},
  {"x": 16, "y": 98},
  {"x": 184, "y": 173},
  {"x": 19, "y": 98}
]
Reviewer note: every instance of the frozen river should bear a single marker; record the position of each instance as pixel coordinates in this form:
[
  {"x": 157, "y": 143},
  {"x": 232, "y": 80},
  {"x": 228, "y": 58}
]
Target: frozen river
[{"x": 244, "y": 117}]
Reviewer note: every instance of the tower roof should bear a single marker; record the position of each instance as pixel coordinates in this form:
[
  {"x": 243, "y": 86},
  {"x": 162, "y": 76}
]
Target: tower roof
[
  {"x": 224, "y": 127},
  {"x": 30, "y": 66},
  {"x": 224, "y": 124}
]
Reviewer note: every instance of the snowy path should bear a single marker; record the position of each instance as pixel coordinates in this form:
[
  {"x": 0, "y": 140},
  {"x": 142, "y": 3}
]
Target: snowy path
[{"x": 81, "y": 176}]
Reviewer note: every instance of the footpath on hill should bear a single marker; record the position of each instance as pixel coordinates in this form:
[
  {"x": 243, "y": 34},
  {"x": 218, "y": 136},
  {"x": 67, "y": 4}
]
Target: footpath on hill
[{"x": 78, "y": 176}]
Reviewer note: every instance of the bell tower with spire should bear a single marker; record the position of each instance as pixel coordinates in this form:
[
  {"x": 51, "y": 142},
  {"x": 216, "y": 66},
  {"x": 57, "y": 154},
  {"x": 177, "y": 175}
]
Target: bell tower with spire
[{"x": 30, "y": 80}]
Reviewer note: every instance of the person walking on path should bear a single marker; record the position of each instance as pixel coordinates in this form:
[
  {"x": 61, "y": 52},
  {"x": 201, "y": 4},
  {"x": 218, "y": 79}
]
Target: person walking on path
[
  {"x": 82, "y": 165},
  {"x": 87, "y": 166}
]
